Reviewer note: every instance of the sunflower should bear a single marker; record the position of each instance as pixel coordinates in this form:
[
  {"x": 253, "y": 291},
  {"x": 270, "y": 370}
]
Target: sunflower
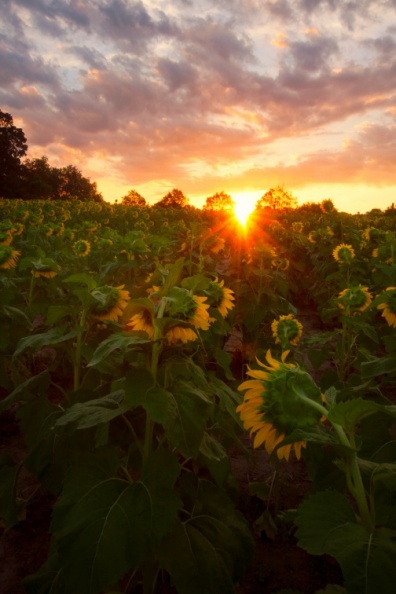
[
  {"x": 5, "y": 237},
  {"x": 275, "y": 404},
  {"x": 8, "y": 256},
  {"x": 141, "y": 322},
  {"x": 17, "y": 229},
  {"x": 81, "y": 247},
  {"x": 222, "y": 297},
  {"x": 180, "y": 333},
  {"x": 388, "y": 305},
  {"x": 185, "y": 306},
  {"x": 287, "y": 330},
  {"x": 343, "y": 253},
  {"x": 109, "y": 302},
  {"x": 281, "y": 264},
  {"x": 297, "y": 226},
  {"x": 354, "y": 299}
]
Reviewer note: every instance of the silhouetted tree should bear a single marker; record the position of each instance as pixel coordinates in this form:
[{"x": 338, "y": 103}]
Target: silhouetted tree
[
  {"x": 40, "y": 180},
  {"x": 219, "y": 202},
  {"x": 310, "y": 207},
  {"x": 173, "y": 199},
  {"x": 12, "y": 148},
  {"x": 73, "y": 185},
  {"x": 277, "y": 198},
  {"x": 133, "y": 198}
]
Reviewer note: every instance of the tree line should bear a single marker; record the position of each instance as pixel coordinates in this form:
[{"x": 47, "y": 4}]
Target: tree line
[{"x": 35, "y": 178}]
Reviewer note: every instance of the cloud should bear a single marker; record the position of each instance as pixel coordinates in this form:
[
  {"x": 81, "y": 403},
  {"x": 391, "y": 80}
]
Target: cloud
[{"x": 191, "y": 90}]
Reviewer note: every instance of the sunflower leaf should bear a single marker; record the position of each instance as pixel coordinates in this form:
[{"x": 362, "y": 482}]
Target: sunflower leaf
[
  {"x": 134, "y": 516},
  {"x": 208, "y": 552},
  {"x": 112, "y": 343},
  {"x": 327, "y": 524}
]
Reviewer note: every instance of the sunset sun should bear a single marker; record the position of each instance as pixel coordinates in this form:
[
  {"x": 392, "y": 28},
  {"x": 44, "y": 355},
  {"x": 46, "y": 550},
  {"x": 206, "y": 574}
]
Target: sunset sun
[{"x": 244, "y": 206}]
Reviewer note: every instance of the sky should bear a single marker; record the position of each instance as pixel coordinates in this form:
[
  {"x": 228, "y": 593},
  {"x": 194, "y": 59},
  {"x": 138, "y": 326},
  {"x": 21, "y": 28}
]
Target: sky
[{"x": 209, "y": 95}]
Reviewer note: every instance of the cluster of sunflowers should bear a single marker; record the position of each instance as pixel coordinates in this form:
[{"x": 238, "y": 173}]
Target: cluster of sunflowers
[
  {"x": 183, "y": 312},
  {"x": 358, "y": 298}
]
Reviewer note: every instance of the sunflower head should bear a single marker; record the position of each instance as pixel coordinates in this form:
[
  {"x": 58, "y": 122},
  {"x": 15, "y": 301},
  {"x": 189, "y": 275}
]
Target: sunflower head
[
  {"x": 44, "y": 267},
  {"x": 81, "y": 247},
  {"x": 343, "y": 254},
  {"x": 354, "y": 299},
  {"x": 142, "y": 321},
  {"x": 184, "y": 305},
  {"x": 5, "y": 237},
  {"x": 220, "y": 297},
  {"x": 276, "y": 403},
  {"x": 388, "y": 306},
  {"x": 287, "y": 331},
  {"x": 298, "y": 227},
  {"x": 109, "y": 302},
  {"x": 8, "y": 256}
]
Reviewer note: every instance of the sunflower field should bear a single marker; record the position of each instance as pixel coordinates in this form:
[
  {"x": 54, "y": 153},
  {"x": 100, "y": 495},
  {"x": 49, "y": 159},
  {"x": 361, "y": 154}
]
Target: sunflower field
[{"x": 142, "y": 347}]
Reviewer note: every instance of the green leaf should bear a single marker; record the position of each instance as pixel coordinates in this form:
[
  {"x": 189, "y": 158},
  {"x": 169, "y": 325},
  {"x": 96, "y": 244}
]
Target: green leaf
[
  {"x": 112, "y": 343},
  {"x": 223, "y": 360},
  {"x": 94, "y": 412},
  {"x": 208, "y": 552},
  {"x": 327, "y": 525},
  {"x": 137, "y": 383},
  {"x": 114, "y": 525},
  {"x": 349, "y": 413},
  {"x": 186, "y": 426},
  {"x": 83, "y": 279},
  {"x": 17, "y": 316},
  {"x": 378, "y": 366},
  {"x": 195, "y": 283},
  {"x": 27, "y": 389},
  {"x": 55, "y": 313},
  {"x": 52, "y": 337}
]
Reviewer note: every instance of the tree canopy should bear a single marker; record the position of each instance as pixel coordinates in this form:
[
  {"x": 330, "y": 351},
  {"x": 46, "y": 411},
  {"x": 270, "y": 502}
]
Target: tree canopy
[
  {"x": 277, "y": 198},
  {"x": 133, "y": 198},
  {"x": 13, "y": 147},
  {"x": 35, "y": 178},
  {"x": 173, "y": 199},
  {"x": 219, "y": 202}
]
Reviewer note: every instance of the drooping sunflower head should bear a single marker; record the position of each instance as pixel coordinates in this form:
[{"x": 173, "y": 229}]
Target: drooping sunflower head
[
  {"x": 109, "y": 302},
  {"x": 388, "y": 306},
  {"x": 5, "y": 237},
  {"x": 44, "y": 267},
  {"x": 183, "y": 304},
  {"x": 220, "y": 297},
  {"x": 17, "y": 229},
  {"x": 8, "y": 256},
  {"x": 354, "y": 299},
  {"x": 287, "y": 330},
  {"x": 81, "y": 247},
  {"x": 343, "y": 253},
  {"x": 142, "y": 321},
  {"x": 281, "y": 264},
  {"x": 276, "y": 403},
  {"x": 386, "y": 252}
]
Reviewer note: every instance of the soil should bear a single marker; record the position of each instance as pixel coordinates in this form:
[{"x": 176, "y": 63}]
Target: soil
[{"x": 278, "y": 563}]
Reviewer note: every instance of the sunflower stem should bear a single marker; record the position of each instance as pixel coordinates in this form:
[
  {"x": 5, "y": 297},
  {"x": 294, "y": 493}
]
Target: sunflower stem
[
  {"x": 353, "y": 476},
  {"x": 77, "y": 359},
  {"x": 31, "y": 287},
  {"x": 148, "y": 436}
]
